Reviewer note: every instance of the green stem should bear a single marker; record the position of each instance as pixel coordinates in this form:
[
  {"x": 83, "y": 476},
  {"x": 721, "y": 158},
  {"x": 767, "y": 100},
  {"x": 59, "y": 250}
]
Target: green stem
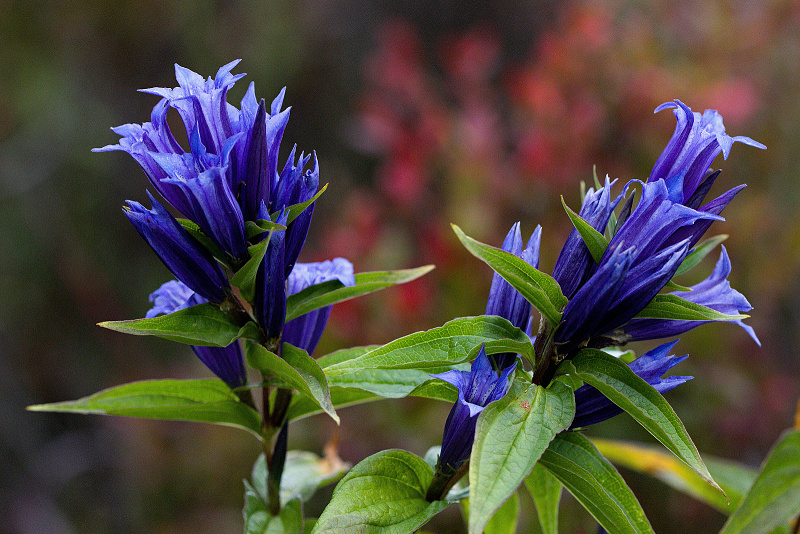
[{"x": 443, "y": 481}]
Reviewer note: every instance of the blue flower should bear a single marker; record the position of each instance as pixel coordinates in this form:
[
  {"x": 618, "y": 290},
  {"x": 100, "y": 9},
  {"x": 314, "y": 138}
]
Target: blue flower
[
  {"x": 270, "y": 298},
  {"x": 714, "y": 292},
  {"x": 189, "y": 261},
  {"x": 592, "y": 407},
  {"x": 506, "y": 301},
  {"x": 225, "y": 362},
  {"x": 477, "y": 388},
  {"x": 304, "y": 331}
]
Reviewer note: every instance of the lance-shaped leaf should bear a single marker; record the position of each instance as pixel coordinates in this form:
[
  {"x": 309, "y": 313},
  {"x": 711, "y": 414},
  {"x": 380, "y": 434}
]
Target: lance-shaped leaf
[
  {"x": 203, "y": 325},
  {"x": 245, "y": 278},
  {"x": 594, "y": 482},
  {"x": 700, "y": 252},
  {"x": 257, "y": 519},
  {"x": 207, "y": 401},
  {"x": 614, "y": 379},
  {"x": 594, "y": 240},
  {"x": 195, "y": 231},
  {"x": 296, "y": 369},
  {"x": 333, "y": 291},
  {"x": 443, "y": 346},
  {"x": 774, "y": 498},
  {"x": 733, "y": 478},
  {"x": 504, "y": 520},
  {"x": 671, "y": 307},
  {"x": 538, "y": 288},
  {"x": 294, "y": 211},
  {"x": 510, "y": 436},
  {"x": 545, "y": 489},
  {"x": 384, "y": 493},
  {"x": 254, "y": 228}
]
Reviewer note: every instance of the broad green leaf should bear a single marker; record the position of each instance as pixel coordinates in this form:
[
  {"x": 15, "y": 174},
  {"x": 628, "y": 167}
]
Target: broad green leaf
[
  {"x": 203, "y": 325},
  {"x": 296, "y": 369},
  {"x": 538, "y": 288},
  {"x": 245, "y": 278},
  {"x": 207, "y": 401},
  {"x": 504, "y": 520},
  {"x": 445, "y": 345},
  {"x": 510, "y": 435},
  {"x": 293, "y": 211},
  {"x": 594, "y": 240},
  {"x": 384, "y": 493},
  {"x": 333, "y": 291},
  {"x": 614, "y": 379},
  {"x": 257, "y": 519},
  {"x": 303, "y": 474},
  {"x": 545, "y": 489},
  {"x": 774, "y": 498},
  {"x": 734, "y": 479},
  {"x": 594, "y": 482},
  {"x": 669, "y": 306},
  {"x": 700, "y": 252}
]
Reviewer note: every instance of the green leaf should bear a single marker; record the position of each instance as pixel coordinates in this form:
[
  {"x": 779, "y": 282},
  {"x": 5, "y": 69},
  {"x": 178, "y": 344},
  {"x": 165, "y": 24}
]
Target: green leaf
[
  {"x": 774, "y": 498},
  {"x": 545, "y": 489},
  {"x": 245, "y": 278},
  {"x": 504, "y": 520},
  {"x": 538, "y": 288},
  {"x": 257, "y": 519},
  {"x": 303, "y": 474},
  {"x": 203, "y": 325},
  {"x": 296, "y": 369},
  {"x": 384, "y": 493},
  {"x": 594, "y": 240},
  {"x": 674, "y": 307},
  {"x": 254, "y": 228},
  {"x": 207, "y": 401},
  {"x": 295, "y": 210},
  {"x": 333, "y": 291},
  {"x": 197, "y": 233},
  {"x": 445, "y": 345},
  {"x": 614, "y": 379},
  {"x": 734, "y": 479},
  {"x": 594, "y": 482},
  {"x": 700, "y": 252},
  {"x": 510, "y": 435}
]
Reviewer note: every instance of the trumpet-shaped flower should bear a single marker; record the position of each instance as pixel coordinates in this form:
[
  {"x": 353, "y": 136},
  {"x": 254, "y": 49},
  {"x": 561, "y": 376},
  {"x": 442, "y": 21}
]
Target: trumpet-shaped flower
[{"x": 477, "y": 388}]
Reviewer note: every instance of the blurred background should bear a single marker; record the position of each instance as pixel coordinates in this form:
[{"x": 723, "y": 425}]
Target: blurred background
[{"x": 422, "y": 113}]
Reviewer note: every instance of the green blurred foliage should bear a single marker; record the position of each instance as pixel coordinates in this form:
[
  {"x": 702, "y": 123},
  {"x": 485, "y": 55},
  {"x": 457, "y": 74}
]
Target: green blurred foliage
[{"x": 422, "y": 114}]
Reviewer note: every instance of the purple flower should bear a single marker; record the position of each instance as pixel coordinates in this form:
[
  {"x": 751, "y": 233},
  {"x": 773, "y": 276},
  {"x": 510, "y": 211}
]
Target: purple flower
[
  {"x": 592, "y": 407},
  {"x": 714, "y": 292},
  {"x": 506, "y": 301},
  {"x": 225, "y": 362},
  {"x": 477, "y": 388},
  {"x": 270, "y": 297},
  {"x": 189, "y": 261},
  {"x": 304, "y": 331}
]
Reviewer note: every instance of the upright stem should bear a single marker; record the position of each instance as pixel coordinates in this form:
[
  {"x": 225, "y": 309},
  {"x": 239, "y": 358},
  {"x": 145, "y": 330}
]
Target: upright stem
[{"x": 443, "y": 481}]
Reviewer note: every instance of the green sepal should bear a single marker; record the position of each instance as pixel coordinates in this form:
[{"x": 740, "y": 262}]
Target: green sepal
[
  {"x": 303, "y": 474},
  {"x": 700, "y": 252},
  {"x": 614, "y": 379},
  {"x": 245, "y": 277},
  {"x": 510, "y": 436},
  {"x": 545, "y": 490},
  {"x": 254, "y": 228},
  {"x": 384, "y": 493},
  {"x": 205, "y": 401},
  {"x": 294, "y": 211},
  {"x": 673, "y": 307},
  {"x": 446, "y": 345},
  {"x": 197, "y": 233},
  {"x": 594, "y": 482},
  {"x": 538, "y": 288},
  {"x": 774, "y": 498},
  {"x": 333, "y": 291},
  {"x": 202, "y": 325},
  {"x": 733, "y": 478},
  {"x": 676, "y": 287},
  {"x": 594, "y": 240},
  {"x": 257, "y": 519},
  {"x": 295, "y": 369}
]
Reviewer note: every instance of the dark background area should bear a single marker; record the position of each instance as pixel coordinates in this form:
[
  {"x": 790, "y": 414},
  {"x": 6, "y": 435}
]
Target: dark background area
[{"x": 422, "y": 114}]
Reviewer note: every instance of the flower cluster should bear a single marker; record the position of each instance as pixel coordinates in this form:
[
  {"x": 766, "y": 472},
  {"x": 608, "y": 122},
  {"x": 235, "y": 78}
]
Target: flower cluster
[
  {"x": 227, "y": 185},
  {"x": 646, "y": 245}
]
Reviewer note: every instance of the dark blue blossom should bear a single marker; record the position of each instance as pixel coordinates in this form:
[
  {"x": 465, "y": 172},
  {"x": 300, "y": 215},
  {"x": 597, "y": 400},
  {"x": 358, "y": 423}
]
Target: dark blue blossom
[
  {"x": 189, "y": 261},
  {"x": 506, "y": 301},
  {"x": 714, "y": 292},
  {"x": 592, "y": 407},
  {"x": 225, "y": 362},
  {"x": 304, "y": 331},
  {"x": 270, "y": 297},
  {"x": 477, "y": 388}
]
